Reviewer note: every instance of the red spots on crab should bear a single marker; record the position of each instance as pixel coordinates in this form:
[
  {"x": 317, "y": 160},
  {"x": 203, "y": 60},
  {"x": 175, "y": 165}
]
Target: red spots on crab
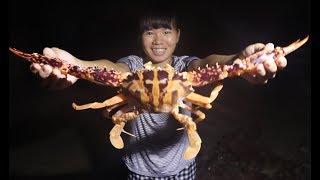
[
  {"x": 76, "y": 71},
  {"x": 204, "y": 76},
  {"x": 210, "y": 74},
  {"x": 148, "y": 82},
  {"x": 104, "y": 76},
  {"x": 163, "y": 80},
  {"x": 178, "y": 76},
  {"x": 162, "y": 75},
  {"x": 38, "y": 58},
  {"x": 95, "y": 74},
  {"x": 53, "y": 62}
]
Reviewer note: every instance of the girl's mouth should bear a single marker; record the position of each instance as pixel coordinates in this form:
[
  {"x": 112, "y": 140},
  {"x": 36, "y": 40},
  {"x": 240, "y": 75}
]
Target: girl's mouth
[{"x": 158, "y": 51}]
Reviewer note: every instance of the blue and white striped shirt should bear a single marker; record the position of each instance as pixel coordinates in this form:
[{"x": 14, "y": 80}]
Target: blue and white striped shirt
[{"x": 157, "y": 150}]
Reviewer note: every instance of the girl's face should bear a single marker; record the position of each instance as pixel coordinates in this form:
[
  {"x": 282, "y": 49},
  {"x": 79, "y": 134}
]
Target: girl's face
[{"x": 159, "y": 44}]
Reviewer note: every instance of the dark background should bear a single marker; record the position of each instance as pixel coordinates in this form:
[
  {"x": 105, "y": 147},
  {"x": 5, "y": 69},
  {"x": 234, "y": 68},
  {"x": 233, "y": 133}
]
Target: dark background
[{"x": 48, "y": 140}]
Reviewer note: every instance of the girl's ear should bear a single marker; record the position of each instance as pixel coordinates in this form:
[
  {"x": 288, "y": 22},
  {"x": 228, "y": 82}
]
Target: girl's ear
[{"x": 178, "y": 35}]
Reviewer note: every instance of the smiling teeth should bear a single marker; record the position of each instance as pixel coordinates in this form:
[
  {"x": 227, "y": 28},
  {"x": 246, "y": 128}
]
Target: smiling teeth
[{"x": 158, "y": 51}]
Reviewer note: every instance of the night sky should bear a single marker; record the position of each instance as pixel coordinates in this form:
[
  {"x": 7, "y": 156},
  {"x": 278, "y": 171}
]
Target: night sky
[{"x": 48, "y": 138}]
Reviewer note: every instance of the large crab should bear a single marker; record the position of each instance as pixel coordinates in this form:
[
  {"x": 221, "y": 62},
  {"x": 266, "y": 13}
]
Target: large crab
[{"x": 158, "y": 89}]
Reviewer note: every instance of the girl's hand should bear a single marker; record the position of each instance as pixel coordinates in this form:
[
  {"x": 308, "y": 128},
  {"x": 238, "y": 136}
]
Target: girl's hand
[
  {"x": 267, "y": 66},
  {"x": 53, "y": 78}
]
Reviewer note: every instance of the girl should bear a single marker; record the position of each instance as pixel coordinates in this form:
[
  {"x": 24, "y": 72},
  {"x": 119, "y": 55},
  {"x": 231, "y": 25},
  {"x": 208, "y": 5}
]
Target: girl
[{"x": 157, "y": 150}]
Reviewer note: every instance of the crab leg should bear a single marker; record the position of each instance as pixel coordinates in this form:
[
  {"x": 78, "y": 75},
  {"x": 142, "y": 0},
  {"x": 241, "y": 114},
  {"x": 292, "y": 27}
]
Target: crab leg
[
  {"x": 200, "y": 115},
  {"x": 193, "y": 137},
  {"x": 120, "y": 119},
  {"x": 210, "y": 74},
  {"x": 96, "y": 105},
  {"x": 203, "y": 101},
  {"x": 107, "y": 111},
  {"x": 98, "y": 75}
]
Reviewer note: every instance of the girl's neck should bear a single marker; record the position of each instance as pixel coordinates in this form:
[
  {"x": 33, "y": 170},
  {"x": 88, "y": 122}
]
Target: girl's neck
[{"x": 161, "y": 64}]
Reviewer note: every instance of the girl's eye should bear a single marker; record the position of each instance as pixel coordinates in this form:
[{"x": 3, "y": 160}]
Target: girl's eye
[
  {"x": 167, "y": 32},
  {"x": 148, "y": 33}
]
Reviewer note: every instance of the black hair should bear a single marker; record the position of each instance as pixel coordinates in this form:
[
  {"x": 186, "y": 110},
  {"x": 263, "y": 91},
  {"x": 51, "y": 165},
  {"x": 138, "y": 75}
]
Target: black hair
[{"x": 156, "y": 20}]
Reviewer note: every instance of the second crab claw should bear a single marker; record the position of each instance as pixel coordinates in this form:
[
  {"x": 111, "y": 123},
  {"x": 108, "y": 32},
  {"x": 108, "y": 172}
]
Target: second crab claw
[
  {"x": 217, "y": 72},
  {"x": 293, "y": 46}
]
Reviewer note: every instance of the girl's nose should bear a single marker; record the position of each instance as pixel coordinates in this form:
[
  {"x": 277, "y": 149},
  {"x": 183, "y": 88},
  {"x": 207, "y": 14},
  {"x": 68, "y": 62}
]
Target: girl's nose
[
  {"x": 156, "y": 42},
  {"x": 157, "y": 39}
]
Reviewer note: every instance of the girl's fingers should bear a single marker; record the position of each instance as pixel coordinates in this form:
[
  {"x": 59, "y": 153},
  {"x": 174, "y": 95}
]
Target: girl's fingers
[
  {"x": 270, "y": 65},
  {"x": 48, "y": 52},
  {"x": 35, "y": 67},
  {"x": 71, "y": 78},
  {"x": 57, "y": 73},
  {"x": 281, "y": 62}
]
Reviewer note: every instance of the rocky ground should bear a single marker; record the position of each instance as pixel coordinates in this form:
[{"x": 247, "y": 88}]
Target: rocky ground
[{"x": 240, "y": 155}]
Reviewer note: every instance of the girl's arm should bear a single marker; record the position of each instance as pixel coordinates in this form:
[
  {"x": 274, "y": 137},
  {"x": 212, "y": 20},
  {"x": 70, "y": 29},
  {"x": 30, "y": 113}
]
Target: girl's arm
[
  {"x": 212, "y": 60},
  {"x": 266, "y": 69},
  {"x": 54, "y": 79}
]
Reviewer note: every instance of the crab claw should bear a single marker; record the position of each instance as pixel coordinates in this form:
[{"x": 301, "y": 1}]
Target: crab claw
[
  {"x": 209, "y": 74},
  {"x": 99, "y": 75},
  {"x": 194, "y": 145},
  {"x": 295, "y": 45},
  {"x": 115, "y": 137},
  {"x": 38, "y": 58},
  {"x": 194, "y": 139}
]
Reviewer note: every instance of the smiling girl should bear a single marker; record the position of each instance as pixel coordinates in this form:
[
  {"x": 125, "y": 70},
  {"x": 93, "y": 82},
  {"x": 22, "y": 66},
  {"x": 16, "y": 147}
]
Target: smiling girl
[{"x": 157, "y": 150}]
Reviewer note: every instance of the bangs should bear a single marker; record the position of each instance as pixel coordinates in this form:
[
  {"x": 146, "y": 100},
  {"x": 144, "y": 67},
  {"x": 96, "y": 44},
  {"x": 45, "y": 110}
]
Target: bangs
[{"x": 154, "y": 22}]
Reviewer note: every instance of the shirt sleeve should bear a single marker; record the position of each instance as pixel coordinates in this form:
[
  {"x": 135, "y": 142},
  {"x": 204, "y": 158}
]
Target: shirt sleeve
[
  {"x": 134, "y": 62},
  {"x": 188, "y": 59},
  {"x": 182, "y": 62}
]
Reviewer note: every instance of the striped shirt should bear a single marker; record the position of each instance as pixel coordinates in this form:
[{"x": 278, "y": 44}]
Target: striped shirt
[{"x": 158, "y": 147}]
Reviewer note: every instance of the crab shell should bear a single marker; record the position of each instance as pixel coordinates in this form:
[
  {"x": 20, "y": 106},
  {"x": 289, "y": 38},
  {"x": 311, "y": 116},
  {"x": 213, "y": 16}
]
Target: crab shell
[{"x": 160, "y": 89}]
